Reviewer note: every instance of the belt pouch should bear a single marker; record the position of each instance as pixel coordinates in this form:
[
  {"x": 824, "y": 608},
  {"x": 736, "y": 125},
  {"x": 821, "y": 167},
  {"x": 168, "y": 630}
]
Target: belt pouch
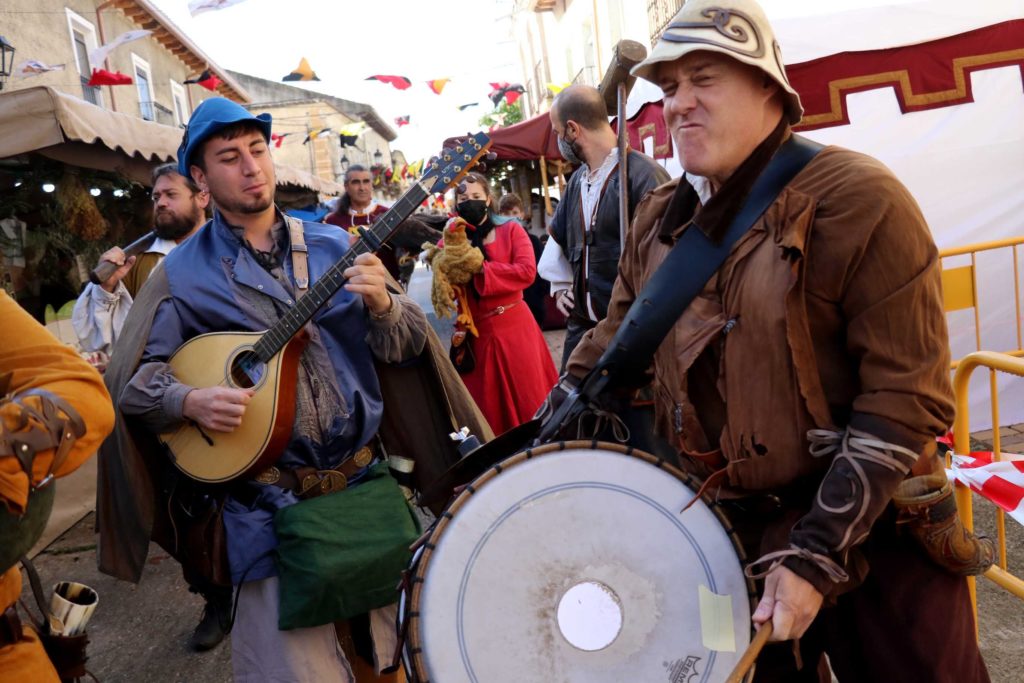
[{"x": 342, "y": 554}]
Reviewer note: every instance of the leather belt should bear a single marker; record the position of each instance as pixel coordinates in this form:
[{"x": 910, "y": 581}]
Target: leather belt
[
  {"x": 10, "y": 626},
  {"x": 309, "y": 482},
  {"x": 500, "y": 309}
]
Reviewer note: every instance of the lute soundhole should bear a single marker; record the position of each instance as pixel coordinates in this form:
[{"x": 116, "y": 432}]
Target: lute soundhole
[{"x": 247, "y": 371}]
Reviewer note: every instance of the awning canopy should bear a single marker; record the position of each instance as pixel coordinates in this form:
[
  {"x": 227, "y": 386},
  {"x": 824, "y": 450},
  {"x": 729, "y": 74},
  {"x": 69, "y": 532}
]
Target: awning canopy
[
  {"x": 533, "y": 138},
  {"x": 524, "y": 141},
  {"x": 65, "y": 128}
]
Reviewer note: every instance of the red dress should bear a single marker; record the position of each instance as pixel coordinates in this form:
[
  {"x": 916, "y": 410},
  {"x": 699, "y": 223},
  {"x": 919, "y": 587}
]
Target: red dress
[{"x": 514, "y": 371}]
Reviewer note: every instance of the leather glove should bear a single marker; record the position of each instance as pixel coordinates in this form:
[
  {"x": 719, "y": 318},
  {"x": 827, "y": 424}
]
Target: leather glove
[
  {"x": 565, "y": 302},
  {"x": 556, "y": 397}
]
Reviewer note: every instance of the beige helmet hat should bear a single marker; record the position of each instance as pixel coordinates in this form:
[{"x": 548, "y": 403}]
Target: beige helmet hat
[{"x": 736, "y": 28}]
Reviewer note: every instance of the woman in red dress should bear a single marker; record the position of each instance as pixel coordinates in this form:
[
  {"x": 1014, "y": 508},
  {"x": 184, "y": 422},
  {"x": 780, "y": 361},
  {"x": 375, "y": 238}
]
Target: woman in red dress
[{"x": 514, "y": 371}]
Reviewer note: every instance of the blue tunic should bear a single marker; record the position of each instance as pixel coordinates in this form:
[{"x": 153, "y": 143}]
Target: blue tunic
[{"x": 213, "y": 280}]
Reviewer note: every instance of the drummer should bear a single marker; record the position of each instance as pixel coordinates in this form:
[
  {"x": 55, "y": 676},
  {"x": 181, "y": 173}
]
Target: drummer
[{"x": 811, "y": 377}]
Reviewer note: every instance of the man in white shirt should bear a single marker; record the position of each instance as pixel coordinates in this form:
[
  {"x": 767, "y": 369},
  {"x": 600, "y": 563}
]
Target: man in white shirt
[
  {"x": 179, "y": 209},
  {"x": 585, "y": 227}
]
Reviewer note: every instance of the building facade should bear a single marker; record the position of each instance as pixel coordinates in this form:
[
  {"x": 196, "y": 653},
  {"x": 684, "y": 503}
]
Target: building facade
[
  {"x": 66, "y": 31},
  {"x": 572, "y": 41}
]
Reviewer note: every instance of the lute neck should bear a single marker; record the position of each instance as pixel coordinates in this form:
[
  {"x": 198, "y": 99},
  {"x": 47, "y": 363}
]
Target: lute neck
[{"x": 274, "y": 339}]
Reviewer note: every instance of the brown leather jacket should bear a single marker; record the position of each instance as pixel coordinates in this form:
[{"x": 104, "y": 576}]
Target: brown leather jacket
[{"x": 827, "y": 314}]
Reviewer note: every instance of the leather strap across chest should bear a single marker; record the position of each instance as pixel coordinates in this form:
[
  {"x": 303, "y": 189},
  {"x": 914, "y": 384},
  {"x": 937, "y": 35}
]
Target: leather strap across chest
[{"x": 300, "y": 254}]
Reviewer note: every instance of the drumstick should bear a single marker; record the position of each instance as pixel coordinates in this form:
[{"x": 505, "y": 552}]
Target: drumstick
[
  {"x": 750, "y": 654},
  {"x": 102, "y": 272}
]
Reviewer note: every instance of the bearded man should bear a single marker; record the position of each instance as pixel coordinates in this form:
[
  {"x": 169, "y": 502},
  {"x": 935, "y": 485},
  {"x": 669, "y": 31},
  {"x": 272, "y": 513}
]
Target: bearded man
[{"x": 179, "y": 209}]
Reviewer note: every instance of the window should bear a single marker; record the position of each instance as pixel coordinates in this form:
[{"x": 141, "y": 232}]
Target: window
[
  {"x": 83, "y": 39},
  {"x": 143, "y": 83},
  {"x": 180, "y": 104}
]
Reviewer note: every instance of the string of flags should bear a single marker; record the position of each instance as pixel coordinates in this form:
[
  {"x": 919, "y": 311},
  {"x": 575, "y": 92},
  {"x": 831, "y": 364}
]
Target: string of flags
[{"x": 402, "y": 121}]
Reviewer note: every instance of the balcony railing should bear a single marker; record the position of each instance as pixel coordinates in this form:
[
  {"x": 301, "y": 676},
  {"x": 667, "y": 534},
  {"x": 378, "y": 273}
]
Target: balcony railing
[
  {"x": 154, "y": 111},
  {"x": 659, "y": 13}
]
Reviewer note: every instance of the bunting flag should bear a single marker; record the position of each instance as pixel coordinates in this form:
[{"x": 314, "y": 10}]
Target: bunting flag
[
  {"x": 1000, "y": 481},
  {"x": 556, "y": 88},
  {"x": 303, "y": 72},
  {"x": 356, "y": 128},
  {"x": 278, "y": 139},
  {"x": 464, "y": 107},
  {"x": 104, "y": 77},
  {"x": 31, "y": 67},
  {"x": 197, "y": 7},
  {"x": 509, "y": 91},
  {"x": 415, "y": 168},
  {"x": 437, "y": 85},
  {"x": 402, "y": 121},
  {"x": 206, "y": 79},
  {"x": 99, "y": 55},
  {"x": 348, "y": 140},
  {"x": 400, "y": 82},
  {"x": 318, "y": 133}
]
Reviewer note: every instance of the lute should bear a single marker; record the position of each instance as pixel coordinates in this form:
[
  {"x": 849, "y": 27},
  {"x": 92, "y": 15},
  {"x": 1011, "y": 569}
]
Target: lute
[{"x": 267, "y": 362}]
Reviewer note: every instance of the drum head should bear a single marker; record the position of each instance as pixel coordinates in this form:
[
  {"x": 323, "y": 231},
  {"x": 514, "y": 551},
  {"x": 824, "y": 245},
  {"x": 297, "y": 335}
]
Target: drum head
[{"x": 579, "y": 566}]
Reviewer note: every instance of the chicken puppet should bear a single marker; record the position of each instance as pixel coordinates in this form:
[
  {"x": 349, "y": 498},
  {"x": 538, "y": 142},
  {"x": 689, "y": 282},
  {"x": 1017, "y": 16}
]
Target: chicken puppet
[{"x": 455, "y": 261}]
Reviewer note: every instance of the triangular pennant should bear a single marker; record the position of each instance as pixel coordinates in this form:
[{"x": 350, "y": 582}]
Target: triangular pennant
[
  {"x": 104, "y": 77},
  {"x": 207, "y": 80},
  {"x": 402, "y": 121},
  {"x": 303, "y": 72},
  {"x": 400, "y": 82},
  {"x": 437, "y": 85},
  {"x": 277, "y": 139},
  {"x": 99, "y": 55},
  {"x": 197, "y": 7},
  {"x": 31, "y": 67}
]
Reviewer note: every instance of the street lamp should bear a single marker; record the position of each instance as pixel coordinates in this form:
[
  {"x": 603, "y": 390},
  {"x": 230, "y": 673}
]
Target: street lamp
[
  {"x": 378, "y": 158},
  {"x": 6, "y": 60},
  {"x": 344, "y": 163}
]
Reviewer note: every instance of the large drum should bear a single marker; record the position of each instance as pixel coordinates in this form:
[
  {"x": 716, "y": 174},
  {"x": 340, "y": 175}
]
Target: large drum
[{"x": 574, "y": 562}]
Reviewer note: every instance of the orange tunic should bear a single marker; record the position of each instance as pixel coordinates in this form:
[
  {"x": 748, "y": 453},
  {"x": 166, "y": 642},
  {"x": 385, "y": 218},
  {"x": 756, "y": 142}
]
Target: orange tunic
[{"x": 37, "y": 360}]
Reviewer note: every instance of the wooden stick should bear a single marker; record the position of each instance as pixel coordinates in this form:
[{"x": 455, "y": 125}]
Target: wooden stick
[
  {"x": 750, "y": 654},
  {"x": 102, "y": 272}
]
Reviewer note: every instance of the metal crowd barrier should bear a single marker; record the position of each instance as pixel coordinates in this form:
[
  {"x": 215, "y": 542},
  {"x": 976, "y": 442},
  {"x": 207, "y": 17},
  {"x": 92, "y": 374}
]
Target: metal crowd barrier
[
  {"x": 995, "y": 362},
  {"x": 960, "y": 288}
]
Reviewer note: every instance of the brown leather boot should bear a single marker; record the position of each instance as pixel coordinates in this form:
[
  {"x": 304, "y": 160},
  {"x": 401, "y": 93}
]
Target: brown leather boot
[{"x": 925, "y": 504}]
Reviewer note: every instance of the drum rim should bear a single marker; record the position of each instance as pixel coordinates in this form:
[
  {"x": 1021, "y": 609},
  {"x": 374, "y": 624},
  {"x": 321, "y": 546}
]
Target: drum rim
[{"x": 413, "y": 652}]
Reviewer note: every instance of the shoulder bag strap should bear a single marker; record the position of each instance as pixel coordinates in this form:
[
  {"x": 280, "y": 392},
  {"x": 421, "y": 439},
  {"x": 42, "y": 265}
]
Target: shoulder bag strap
[{"x": 300, "y": 265}]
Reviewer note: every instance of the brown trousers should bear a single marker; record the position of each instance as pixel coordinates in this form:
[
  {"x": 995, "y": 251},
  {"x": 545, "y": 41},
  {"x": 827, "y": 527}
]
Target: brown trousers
[{"x": 909, "y": 620}]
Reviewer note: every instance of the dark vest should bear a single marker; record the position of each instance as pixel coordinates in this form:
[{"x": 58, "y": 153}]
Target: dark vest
[{"x": 601, "y": 246}]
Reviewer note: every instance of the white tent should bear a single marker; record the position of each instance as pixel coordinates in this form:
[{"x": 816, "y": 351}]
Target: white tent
[{"x": 962, "y": 157}]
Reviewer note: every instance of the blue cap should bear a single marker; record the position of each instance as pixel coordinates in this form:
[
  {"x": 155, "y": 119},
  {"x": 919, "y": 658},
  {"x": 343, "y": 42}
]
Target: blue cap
[{"x": 209, "y": 117}]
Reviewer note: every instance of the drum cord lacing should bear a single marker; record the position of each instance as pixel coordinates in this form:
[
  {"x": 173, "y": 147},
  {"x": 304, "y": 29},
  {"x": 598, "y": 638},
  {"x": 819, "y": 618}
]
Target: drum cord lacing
[{"x": 603, "y": 418}]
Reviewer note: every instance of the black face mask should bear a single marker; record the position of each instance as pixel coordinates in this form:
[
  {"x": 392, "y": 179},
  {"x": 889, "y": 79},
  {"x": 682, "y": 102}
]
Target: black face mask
[{"x": 473, "y": 211}]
